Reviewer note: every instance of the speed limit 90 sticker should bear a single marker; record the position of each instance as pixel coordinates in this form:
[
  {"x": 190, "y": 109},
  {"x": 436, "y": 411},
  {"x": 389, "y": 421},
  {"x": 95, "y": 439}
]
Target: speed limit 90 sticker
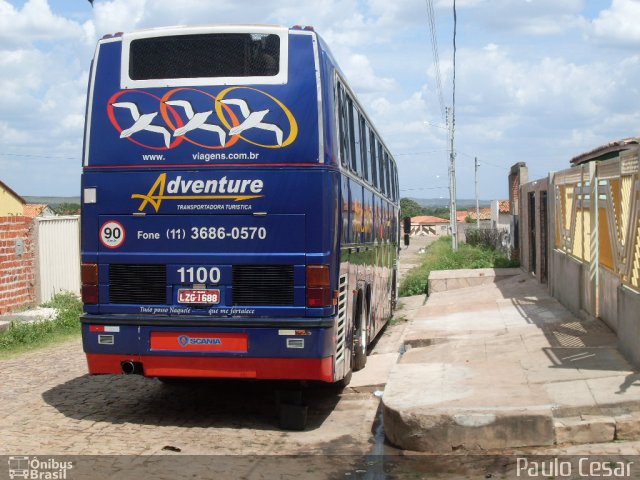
[{"x": 112, "y": 234}]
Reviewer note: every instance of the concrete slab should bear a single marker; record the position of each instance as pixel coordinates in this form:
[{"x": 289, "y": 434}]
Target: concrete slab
[
  {"x": 445, "y": 280},
  {"x": 502, "y": 365},
  {"x": 585, "y": 429},
  {"x": 376, "y": 372},
  {"x": 628, "y": 426},
  {"x": 27, "y": 316}
]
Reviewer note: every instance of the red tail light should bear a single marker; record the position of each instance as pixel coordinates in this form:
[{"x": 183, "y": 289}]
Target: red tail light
[
  {"x": 89, "y": 277},
  {"x": 90, "y": 294},
  {"x": 89, "y": 273},
  {"x": 318, "y": 286}
]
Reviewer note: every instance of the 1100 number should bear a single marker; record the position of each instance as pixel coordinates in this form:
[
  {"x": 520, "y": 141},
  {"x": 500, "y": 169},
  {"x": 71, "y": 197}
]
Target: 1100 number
[{"x": 199, "y": 275}]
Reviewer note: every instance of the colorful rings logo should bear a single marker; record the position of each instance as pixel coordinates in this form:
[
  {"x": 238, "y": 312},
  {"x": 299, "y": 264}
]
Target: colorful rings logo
[{"x": 220, "y": 123}]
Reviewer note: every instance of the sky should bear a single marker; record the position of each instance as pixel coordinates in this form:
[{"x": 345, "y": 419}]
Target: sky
[{"x": 537, "y": 81}]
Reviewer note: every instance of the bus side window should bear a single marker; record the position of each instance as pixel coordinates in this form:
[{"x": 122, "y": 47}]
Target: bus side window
[
  {"x": 364, "y": 150},
  {"x": 380, "y": 156},
  {"x": 392, "y": 179},
  {"x": 373, "y": 157},
  {"x": 343, "y": 133},
  {"x": 395, "y": 182},
  {"x": 356, "y": 147},
  {"x": 387, "y": 183}
]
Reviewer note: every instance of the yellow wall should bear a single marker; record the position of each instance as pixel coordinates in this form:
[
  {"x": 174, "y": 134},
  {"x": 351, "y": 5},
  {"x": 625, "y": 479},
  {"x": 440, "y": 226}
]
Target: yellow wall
[{"x": 9, "y": 205}]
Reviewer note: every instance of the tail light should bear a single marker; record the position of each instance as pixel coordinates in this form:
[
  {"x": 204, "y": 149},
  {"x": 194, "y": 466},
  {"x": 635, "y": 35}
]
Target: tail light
[
  {"x": 318, "y": 286},
  {"x": 90, "y": 294},
  {"x": 89, "y": 278}
]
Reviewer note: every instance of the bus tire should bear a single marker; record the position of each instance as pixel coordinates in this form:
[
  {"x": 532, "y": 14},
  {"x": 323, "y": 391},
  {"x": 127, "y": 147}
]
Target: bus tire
[
  {"x": 394, "y": 291},
  {"x": 344, "y": 381},
  {"x": 361, "y": 338}
]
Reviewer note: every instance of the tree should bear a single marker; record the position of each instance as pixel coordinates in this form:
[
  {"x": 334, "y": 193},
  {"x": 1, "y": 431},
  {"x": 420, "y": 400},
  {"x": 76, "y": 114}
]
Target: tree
[
  {"x": 441, "y": 212},
  {"x": 410, "y": 208},
  {"x": 67, "y": 209}
]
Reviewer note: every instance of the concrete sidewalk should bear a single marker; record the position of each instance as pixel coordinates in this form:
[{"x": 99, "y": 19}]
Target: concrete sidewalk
[
  {"x": 505, "y": 365},
  {"x": 32, "y": 315}
]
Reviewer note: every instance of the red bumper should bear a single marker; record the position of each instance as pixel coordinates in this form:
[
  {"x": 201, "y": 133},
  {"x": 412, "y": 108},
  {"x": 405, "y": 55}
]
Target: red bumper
[{"x": 217, "y": 367}]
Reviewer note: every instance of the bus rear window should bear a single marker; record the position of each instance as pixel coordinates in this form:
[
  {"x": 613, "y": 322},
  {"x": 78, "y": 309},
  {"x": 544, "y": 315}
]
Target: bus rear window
[{"x": 205, "y": 56}]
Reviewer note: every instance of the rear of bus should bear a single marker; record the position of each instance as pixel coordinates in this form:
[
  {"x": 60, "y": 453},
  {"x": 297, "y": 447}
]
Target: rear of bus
[{"x": 209, "y": 228}]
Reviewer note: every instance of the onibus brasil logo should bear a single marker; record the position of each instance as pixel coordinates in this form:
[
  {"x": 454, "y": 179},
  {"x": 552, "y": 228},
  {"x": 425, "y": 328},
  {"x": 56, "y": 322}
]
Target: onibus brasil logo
[
  {"x": 222, "y": 122},
  {"x": 214, "y": 189}
]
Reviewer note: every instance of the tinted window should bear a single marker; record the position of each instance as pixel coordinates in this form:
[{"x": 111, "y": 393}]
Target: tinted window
[
  {"x": 381, "y": 172},
  {"x": 364, "y": 149},
  {"x": 387, "y": 183},
  {"x": 205, "y": 55},
  {"x": 353, "y": 148},
  {"x": 392, "y": 178},
  {"x": 374, "y": 157},
  {"x": 343, "y": 126}
]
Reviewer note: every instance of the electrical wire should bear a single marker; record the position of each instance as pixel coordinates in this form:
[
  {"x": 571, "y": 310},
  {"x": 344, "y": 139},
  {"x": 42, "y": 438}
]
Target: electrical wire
[
  {"x": 453, "y": 96},
  {"x": 417, "y": 153},
  {"x": 37, "y": 155},
  {"x": 423, "y": 188},
  {"x": 436, "y": 58}
]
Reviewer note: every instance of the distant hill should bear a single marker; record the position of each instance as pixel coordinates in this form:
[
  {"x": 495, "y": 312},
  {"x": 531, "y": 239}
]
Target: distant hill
[
  {"x": 52, "y": 200},
  {"x": 461, "y": 204}
]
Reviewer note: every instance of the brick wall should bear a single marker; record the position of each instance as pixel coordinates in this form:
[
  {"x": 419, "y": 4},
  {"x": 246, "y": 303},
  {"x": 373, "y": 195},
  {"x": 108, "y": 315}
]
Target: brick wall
[{"x": 17, "y": 271}]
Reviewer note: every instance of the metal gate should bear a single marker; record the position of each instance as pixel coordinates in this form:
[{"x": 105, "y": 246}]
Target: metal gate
[{"x": 58, "y": 256}]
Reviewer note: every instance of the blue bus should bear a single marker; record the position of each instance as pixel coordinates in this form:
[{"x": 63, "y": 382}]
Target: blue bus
[{"x": 239, "y": 209}]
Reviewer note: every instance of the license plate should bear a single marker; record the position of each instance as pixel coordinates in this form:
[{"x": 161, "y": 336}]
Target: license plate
[{"x": 199, "y": 296}]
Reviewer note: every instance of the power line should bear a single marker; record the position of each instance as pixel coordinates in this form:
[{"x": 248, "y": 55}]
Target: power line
[
  {"x": 423, "y": 188},
  {"x": 37, "y": 155},
  {"x": 434, "y": 49},
  {"x": 455, "y": 24},
  {"x": 452, "y": 162},
  {"x": 418, "y": 153}
]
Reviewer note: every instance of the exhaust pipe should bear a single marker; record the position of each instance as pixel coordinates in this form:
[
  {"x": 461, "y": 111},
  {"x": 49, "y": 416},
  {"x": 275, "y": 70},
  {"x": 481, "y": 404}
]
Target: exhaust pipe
[{"x": 131, "y": 368}]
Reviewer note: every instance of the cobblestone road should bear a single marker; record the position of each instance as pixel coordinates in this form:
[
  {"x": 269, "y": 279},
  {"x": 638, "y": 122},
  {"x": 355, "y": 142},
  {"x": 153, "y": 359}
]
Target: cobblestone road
[{"x": 51, "y": 406}]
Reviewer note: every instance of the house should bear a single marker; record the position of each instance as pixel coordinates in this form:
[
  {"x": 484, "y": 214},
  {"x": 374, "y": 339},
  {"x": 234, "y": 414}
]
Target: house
[
  {"x": 33, "y": 210},
  {"x": 11, "y": 204},
  {"x": 461, "y": 215},
  {"x": 501, "y": 215},
  {"x": 485, "y": 216},
  {"x": 427, "y": 225}
]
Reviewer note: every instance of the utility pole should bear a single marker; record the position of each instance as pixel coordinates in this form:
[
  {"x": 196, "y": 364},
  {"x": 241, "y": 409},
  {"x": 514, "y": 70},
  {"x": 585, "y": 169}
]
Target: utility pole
[
  {"x": 477, "y": 201},
  {"x": 452, "y": 184}
]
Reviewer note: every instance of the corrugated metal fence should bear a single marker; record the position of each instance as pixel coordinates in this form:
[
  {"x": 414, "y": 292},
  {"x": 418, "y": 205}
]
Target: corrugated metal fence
[
  {"x": 606, "y": 233},
  {"x": 58, "y": 256}
]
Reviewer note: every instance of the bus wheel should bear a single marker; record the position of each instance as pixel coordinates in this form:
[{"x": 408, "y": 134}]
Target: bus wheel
[
  {"x": 360, "y": 339},
  {"x": 394, "y": 292},
  {"x": 345, "y": 381}
]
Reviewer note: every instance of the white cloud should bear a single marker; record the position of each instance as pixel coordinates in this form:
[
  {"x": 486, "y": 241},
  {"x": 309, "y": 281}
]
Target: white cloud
[
  {"x": 528, "y": 86},
  {"x": 618, "y": 25},
  {"x": 117, "y": 16},
  {"x": 34, "y": 22},
  {"x": 531, "y": 17}
]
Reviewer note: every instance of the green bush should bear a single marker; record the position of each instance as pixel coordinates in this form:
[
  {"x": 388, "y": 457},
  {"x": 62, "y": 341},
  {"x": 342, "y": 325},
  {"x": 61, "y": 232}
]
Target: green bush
[
  {"x": 21, "y": 336},
  {"x": 440, "y": 256}
]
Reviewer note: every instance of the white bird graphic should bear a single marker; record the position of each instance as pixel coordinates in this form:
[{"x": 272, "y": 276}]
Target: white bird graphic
[
  {"x": 252, "y": 120},
  {"x": 196, "y": 120},
  {"x": 142, "y": 122}
]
